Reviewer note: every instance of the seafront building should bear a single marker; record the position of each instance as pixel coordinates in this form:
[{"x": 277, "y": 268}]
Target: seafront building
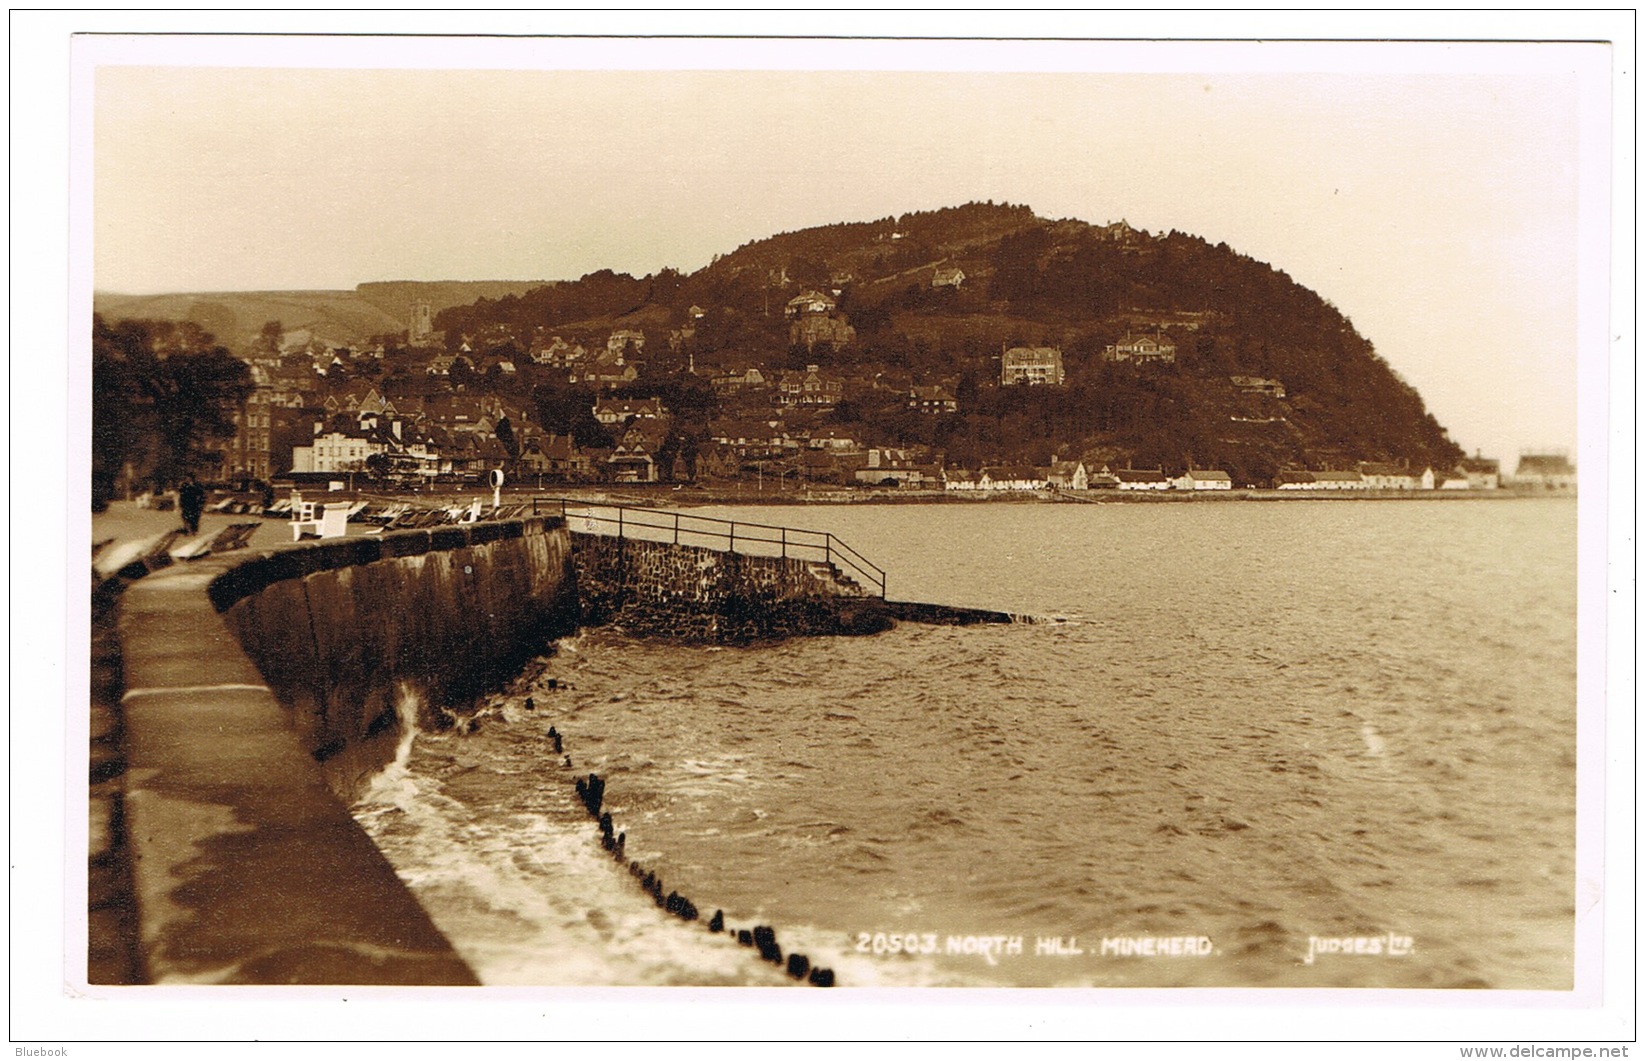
[
  {"x": 1381, "y": 476},
  {"x": 1339, "y": 481},
  {"x": 334, "y": 451},
  {"x": 1481, "y": 473},
  {"x": 1203, "y": 479},
  {"x": 1143, "y": 479},
  {"x": 1545, "y": 471},
  {"x": 1066, "y": 475},
  {"x": 1011, "y": 477}
]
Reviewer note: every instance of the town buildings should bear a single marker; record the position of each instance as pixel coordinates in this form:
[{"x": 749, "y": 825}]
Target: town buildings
[
  {"x": 440, "y": 412},
  {"x": 613, "y": 412}
]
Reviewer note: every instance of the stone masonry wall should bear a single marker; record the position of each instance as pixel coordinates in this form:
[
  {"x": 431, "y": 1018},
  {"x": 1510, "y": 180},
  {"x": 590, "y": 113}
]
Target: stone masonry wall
[{"x": 684, "y": 592}]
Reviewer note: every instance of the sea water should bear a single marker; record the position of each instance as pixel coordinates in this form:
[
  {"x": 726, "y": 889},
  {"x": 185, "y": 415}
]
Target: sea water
[{"x": 1300, "y": 744}]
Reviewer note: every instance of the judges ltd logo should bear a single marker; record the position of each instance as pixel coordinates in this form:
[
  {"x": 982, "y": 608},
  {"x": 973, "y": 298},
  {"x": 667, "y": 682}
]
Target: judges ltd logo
[{"x": 1387, "y": 945}]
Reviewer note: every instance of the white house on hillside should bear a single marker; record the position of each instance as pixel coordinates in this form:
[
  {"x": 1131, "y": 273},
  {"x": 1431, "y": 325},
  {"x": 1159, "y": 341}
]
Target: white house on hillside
[{"x": 1031, "y": 365}]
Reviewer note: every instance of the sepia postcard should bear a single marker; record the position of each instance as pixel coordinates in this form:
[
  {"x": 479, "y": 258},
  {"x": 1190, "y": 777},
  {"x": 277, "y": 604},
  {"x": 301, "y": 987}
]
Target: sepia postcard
[{"x": 946, "y": 532}]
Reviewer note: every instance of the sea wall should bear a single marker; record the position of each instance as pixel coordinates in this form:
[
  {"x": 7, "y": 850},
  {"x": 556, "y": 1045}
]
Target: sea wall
[
  {"x": 258, "y": 690},
  {"x": 240, "y": 674},
  {"x": 690, "y": 593},
  {"x": 344, "y": 629}
]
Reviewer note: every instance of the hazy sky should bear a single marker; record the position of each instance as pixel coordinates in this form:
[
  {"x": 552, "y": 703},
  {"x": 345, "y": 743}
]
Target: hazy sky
[{"x": 1431, "y": 192}]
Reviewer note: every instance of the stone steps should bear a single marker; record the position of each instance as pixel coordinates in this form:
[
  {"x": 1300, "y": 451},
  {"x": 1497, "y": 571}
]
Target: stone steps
[{"x": 842, "y": 583}]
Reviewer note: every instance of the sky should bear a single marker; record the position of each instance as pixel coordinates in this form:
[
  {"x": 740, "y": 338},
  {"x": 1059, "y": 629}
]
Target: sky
[{"x": 1431, "y": 192}]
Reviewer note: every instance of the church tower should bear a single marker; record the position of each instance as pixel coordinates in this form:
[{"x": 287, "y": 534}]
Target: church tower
[{"x": 422, "y": 322}]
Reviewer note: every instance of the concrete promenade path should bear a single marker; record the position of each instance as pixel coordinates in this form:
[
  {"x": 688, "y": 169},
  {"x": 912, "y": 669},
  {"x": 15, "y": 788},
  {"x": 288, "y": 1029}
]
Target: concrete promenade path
[
  {"x": 246, "y": 868},
  {"x": 125, "y": 522}
]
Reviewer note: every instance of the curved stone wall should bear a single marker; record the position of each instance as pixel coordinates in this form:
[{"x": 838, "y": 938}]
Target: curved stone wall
[
  {"x": 453, "y": 612},
  {"x": 241, "y": 673}
]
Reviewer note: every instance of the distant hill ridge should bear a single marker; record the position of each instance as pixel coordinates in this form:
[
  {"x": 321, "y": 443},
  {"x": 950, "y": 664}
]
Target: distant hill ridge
[{"x": 336, "y": 317}]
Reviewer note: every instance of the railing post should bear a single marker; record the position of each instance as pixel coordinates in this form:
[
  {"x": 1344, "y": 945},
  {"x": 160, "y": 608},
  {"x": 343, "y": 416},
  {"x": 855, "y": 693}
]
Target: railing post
[
  {"x": 828, "y": 548},
  {"x": 676, "y": 528},
  {"x": 731, "y": 540},
  {"x": 619, "y": 521},
  {"x": 785, "y": 542}
]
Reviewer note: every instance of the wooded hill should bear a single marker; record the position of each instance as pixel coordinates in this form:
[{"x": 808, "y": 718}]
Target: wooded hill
[{"x": 1027, "y": 281}]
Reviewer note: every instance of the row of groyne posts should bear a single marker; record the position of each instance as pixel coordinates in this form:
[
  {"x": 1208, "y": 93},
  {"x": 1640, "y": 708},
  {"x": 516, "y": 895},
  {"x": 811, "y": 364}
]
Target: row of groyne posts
[
  {"x": 763, "y": 938},
  {"x": 296, "y": 646},
  {"x": 849, "y": 571}
]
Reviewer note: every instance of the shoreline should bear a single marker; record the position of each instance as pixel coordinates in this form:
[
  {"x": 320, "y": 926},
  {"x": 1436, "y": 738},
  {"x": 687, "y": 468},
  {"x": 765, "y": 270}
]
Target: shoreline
[
  {"x": 665, "y": 496},
  {"x": 124, "y": 521}
]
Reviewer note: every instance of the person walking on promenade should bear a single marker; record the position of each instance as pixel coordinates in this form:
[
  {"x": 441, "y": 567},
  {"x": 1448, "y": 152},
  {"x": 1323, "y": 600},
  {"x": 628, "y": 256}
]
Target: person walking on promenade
[{"x": 192, "y": 500}]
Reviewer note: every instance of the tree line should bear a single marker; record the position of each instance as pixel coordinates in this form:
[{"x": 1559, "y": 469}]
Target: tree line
[{"x": 163, "y": 393}]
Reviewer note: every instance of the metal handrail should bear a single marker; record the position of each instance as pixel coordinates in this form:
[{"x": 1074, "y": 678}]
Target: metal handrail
[{"x": 790, "y": 541}]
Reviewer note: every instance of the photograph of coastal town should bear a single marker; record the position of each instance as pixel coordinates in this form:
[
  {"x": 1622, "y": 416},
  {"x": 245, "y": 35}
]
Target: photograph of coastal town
[{"x": 1071, "y": 515}]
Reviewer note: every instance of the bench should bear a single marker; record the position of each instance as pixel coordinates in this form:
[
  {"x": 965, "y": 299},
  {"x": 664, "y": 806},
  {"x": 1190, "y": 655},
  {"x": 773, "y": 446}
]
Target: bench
[{"x": 319, "y": 520}]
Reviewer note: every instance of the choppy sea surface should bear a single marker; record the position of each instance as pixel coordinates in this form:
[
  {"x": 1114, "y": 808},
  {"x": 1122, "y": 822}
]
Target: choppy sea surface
[{"x": 1309, "y": 744}]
